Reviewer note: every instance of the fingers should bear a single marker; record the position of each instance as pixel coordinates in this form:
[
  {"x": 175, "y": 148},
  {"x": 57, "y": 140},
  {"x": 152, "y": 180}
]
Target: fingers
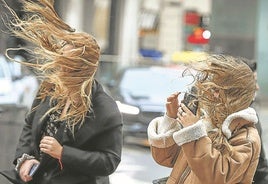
[
  {"x": 181, "y": 112},
  {"x": 45, "y": 147},
  {"x": 25, "y": 169},
  {"x": 173, "y": 97},
  {"x": 47, "y": 138},
  {"x": 46, "y": 141},
  {"x": 185, "y": 116},
  {"x": 46, "y": 144},
  {"x": 186, "y": 109},
  {"x": 25, "y": 177},
  {"x": 51, "y": 146},
  {"x": 172, "y": 105}
]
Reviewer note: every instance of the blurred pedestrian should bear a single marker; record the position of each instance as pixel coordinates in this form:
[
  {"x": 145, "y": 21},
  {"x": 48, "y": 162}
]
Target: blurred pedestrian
[
  {"x": 220, "y": 144},
  {"x": 261, "y": 175},
  {"x": 73, "y": 133}
]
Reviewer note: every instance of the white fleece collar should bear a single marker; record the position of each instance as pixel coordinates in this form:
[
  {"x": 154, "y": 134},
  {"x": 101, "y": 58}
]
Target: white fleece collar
[{"x": 248, "y": 114}]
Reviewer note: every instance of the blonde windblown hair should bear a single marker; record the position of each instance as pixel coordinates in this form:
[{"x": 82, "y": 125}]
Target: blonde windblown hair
[
  {"x": 64, "y": 74},
  {"x": 233, "y": 82},
  {"x": 231, "y": 78}
]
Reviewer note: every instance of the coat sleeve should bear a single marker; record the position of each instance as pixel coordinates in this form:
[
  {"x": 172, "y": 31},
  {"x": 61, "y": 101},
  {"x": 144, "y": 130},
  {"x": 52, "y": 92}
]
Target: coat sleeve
[
  {"x": 25, "y": 140},
  {"x": 212, "y": 166},
  {"x": 163, "y": 148}
]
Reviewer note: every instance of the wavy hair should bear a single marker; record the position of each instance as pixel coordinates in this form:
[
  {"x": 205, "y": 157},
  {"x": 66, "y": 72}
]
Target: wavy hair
[
  {"x": 231, "y": 78},
  {"x": 64, "y": 74},
  {"x": 234, "y": 84}
]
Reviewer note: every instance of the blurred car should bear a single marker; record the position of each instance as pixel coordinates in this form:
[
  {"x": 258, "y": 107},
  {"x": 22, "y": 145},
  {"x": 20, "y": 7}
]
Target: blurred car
[
  {"x": 15, "y": 88},
  {"x": 141, "y": 93}
]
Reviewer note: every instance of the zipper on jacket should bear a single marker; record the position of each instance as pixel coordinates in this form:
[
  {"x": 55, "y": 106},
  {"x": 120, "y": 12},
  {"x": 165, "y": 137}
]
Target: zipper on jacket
[{"x": 184, "y": 175}]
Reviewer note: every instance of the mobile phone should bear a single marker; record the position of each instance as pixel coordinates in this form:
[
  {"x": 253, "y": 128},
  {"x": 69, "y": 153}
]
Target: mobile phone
[
  {"x": 33, "y": 169},
  {"x": 190, "y": 101}
]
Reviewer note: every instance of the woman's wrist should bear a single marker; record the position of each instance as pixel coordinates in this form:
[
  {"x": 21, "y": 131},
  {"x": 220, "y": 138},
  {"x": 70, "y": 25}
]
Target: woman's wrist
[{"x": 22, "y": 159}]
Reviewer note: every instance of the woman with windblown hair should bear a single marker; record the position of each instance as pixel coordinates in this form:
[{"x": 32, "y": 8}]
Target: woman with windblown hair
[
  {"x": 73, "y": 131},
  {"x": 218, "y": 145}
]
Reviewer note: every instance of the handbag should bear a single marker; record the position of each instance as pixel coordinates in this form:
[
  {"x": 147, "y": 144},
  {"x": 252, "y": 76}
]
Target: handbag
[{"x": 160, "y": 180}]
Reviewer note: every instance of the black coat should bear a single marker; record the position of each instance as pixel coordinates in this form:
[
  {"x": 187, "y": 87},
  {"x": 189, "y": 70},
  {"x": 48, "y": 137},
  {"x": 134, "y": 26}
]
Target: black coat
[
  {"x": 261, "y": 174},
  {"x": 88, "y": 157}
]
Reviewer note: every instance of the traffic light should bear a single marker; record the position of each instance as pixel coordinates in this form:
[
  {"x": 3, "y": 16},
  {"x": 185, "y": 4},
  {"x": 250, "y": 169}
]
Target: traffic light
[
  {"x": 199, "y": 36},
  {"x": 195, "y": 27}
]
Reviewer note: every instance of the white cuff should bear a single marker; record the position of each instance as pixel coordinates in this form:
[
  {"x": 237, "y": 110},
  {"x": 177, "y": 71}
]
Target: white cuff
[
  {"x": 190, "y": 133},
  {"x": 168, "y": 125},
  {"x": 160, "y": 131}
]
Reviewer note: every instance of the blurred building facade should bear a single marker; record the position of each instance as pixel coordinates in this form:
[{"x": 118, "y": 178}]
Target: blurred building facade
[{"x": 131, "y": 31}]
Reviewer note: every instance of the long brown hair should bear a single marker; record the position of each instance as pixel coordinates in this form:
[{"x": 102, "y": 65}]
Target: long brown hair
[{"x": 64, "y": 76}]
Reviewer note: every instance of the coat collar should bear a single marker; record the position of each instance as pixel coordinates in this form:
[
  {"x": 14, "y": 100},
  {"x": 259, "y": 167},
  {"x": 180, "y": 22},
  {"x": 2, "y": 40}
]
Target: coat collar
[
  {"x": 64, "y": 134},
  {"x": 249, "y": 114},
  {"x": 39, "y": 120}
]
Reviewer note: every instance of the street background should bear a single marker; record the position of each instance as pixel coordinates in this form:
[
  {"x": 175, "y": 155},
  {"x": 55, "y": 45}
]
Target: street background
[{"x": 162, "y": 32}]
